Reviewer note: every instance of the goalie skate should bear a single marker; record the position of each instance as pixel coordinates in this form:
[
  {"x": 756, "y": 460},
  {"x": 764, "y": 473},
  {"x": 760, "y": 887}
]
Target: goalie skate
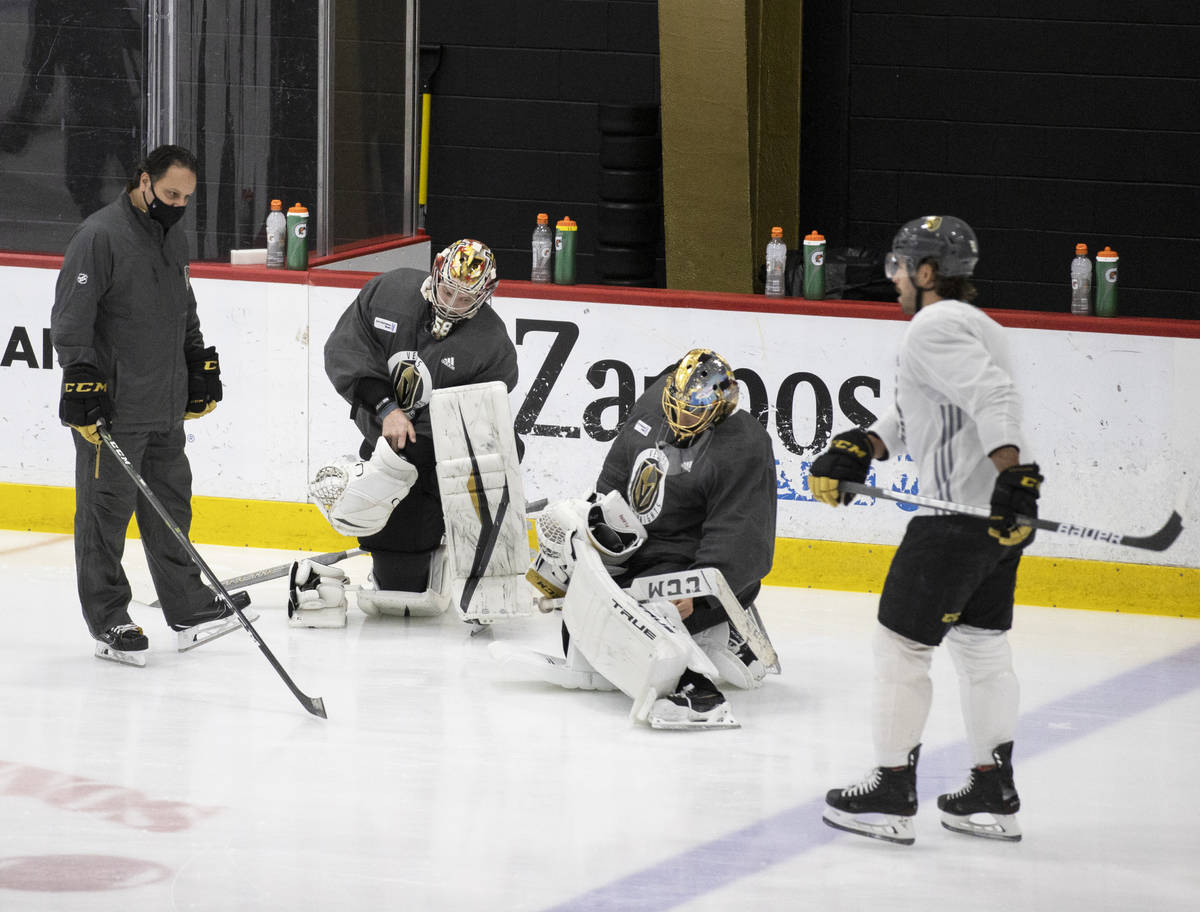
[
  {"x": 695, "y": 706},
  {"x": 125, "y": 643},
  {"x": 882, "y": 806}
]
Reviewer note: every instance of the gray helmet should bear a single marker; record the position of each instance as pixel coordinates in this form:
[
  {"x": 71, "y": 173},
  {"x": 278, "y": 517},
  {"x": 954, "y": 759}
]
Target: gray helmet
[{"x": 944, "y": 238}]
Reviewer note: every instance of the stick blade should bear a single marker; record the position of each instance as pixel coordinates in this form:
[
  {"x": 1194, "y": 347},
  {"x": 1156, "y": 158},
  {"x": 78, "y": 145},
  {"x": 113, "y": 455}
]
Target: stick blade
[
  {"x": 1160, "y": 540},
  {"x": 316, "y": 706}
]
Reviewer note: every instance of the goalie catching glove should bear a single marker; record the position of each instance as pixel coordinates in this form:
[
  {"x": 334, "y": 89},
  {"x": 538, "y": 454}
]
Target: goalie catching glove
[
  {"x": 204, "y": 382},
  {"x": 1015, "y": 494},
  {"x": 358, "y": 496},
  {"x": 847, "y": 459},
  {"x": 84, "y": 401}
]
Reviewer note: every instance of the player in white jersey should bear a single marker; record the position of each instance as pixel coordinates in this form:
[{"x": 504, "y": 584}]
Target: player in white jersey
[{"x": 958, "y": 414}]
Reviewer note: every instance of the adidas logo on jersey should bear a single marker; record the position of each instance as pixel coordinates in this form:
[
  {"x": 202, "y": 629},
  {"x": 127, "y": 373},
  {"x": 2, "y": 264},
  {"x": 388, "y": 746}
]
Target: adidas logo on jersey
[{"x": 449, "y": 362}]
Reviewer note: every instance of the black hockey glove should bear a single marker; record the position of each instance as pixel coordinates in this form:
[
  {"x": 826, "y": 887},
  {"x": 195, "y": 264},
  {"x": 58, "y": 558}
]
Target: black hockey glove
[
  {"x": 84, "y": 401},
  {"x": 847, "y": 459},
  {"x": 1015, "y": 494},
  {"x": 204, "y": 382}
]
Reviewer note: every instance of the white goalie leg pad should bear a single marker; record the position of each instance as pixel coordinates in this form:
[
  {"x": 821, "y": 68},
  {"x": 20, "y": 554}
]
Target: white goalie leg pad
[
  {"x": 395, "y": 603},
  {"x": 641, "y": 648},
  {"x": 574, "y": 672},
  {"x": 316, "y": 595},
  {"x": 988, "y": 688},
  {"x": 357, "y": 496},
  {"x": 483, "y": 500},
  {"x": 709, "y": 581},
  {"x": 901, "y": 695}
]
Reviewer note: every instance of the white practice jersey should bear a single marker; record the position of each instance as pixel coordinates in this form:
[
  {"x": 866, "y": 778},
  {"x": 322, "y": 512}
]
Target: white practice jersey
[{"x": 955, "y": 402}]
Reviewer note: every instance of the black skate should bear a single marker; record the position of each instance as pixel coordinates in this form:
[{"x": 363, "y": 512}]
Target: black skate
[
  {"x": 886, "y": 798},
  {"x": 696, "y": 704},
  {"x": 987, "y": 805},
  {"x": 124, "y": 643},
  {"x": 214, "y": 621}
]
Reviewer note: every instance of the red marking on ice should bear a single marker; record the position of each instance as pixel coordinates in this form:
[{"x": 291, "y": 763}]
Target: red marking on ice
[
  {"x": 78, "y": 873},
  {"x": 110, "y": 802}
]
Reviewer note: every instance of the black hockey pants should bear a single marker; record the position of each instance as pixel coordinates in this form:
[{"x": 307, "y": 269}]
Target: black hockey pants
[{"x": 103, "y": 507}]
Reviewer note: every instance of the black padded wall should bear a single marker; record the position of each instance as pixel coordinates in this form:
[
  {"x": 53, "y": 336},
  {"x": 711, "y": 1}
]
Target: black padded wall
[
  {"x": 514, "y": 126},
  {"x": 1041, "y": 124}
]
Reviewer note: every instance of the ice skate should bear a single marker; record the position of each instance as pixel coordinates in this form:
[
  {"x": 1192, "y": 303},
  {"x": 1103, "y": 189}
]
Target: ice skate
[
  {"x": 215, "y": 621},
  {"x": 697, "y": 704},
  {"x": 124, "y": 643},
  {"x": 987, "y": 805},
  {"x": 882, "y": 806}
]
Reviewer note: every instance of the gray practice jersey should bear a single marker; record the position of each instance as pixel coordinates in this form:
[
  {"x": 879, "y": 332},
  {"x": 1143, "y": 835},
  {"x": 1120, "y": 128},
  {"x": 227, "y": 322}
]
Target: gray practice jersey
[
  {"x": 383, "y": 339},
  {"x": 124, "y": 305},
  {"x": 955, "y": 402},
  {"x": 711, "y": 504}
]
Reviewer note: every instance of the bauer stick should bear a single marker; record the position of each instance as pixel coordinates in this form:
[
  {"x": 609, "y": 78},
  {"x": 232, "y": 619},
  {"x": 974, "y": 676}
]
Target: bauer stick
[
  {"x": 314, "y": 705},
  {"x": 1159, "y": 541}
]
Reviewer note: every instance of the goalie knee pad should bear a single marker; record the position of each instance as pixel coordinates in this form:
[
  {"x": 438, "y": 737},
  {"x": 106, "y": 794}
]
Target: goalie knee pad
[
  {"x": 395, "y": 603},
  {"x": 316, "y": 595},
  {"x": 358, "y": 496},
  {"x": 734, "y": 660}
]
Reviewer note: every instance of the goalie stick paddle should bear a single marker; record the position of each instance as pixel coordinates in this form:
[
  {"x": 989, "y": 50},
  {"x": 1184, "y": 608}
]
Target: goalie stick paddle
[
  {"x": 314, "y": 705},
  {"x": 1159, "y": 541}
]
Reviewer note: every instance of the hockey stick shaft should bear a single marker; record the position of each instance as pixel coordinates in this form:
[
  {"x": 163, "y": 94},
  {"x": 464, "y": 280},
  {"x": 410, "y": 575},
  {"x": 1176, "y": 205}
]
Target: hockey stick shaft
[
  {"x": 314, "y": 705},
  {"x": 1159, "y": 541}
]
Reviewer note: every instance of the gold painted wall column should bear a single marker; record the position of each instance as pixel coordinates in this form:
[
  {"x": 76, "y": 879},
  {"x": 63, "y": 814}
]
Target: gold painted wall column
[{"x": 730, "y": 73}]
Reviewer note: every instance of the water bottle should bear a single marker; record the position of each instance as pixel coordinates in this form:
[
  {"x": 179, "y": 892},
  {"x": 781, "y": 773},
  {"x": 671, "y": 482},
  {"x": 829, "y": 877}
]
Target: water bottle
[
  {"x": 564, "y": 251},
  {"x": 276, "y": 235},
  {"x": 776, "y": 263},
  {"x": 814, "y": 266},
  {"x": 297, "y": 237},
  {"x": 1081, "y": 281},
  {"x": 1106, "y": 283},
  {"x": 543, "y": 243}
]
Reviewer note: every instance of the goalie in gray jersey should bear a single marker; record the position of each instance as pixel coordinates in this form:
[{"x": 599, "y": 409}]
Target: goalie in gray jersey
[
  {"x": 688, "y": 488},
  {"x": 407, "y": 334}
]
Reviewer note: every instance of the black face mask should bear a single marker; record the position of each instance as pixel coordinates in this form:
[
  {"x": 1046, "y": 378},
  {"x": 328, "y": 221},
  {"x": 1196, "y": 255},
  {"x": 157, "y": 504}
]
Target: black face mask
[{"x": 162, "y": 213}]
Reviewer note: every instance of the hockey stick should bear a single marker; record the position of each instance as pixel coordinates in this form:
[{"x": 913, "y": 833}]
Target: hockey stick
[
  {"x": 329, "y": 557},
  {"x": 1159, "y": 541},
  {"x": 314, "y": 705}
]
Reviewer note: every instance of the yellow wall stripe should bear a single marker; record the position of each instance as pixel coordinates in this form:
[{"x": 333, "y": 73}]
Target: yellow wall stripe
[{"x": 801, "y": 563}]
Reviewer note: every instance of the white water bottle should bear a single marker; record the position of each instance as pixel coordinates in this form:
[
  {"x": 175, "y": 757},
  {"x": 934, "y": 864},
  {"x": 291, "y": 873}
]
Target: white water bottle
[
  {"x": 543, "y": 244},
  {"x": 1081, "y": 281},
  {"x": 276, "y": 235},
  {"x": 776, "y": 263}
]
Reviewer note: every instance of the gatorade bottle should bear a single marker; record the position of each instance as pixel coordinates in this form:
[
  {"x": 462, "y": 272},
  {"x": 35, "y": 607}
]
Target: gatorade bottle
[
  {"x": 564, "y": 251},
  {"x": 276, "y": 236},
  {"x": 1081, "y": 281},
  {"x": 1106, "y": 283},
  {"x": 814, "y": 266},
  {"x": 776, "y": 263},
  {"x": 543, "y": 244},
  {"x": 297, "y": 237}
]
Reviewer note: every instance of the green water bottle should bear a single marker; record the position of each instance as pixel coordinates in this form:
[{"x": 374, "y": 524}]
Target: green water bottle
[
  {"x": 297, "y": 237},
  {"x": 1106, "y": 283},
  {"x": 564, "y": 251},
  {"x": 814, "y": 266}
]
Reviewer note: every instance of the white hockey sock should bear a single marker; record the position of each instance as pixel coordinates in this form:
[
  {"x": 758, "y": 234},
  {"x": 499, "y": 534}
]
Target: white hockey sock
[
  {"x": 988, "y": 688},
  {"x": 901, "y": 697}
]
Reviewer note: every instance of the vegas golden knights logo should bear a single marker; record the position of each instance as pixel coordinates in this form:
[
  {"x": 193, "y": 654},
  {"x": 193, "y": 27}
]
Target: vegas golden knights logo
[
  {"x": 647, "y": 484},
  {"x": 408, "y": 385}
]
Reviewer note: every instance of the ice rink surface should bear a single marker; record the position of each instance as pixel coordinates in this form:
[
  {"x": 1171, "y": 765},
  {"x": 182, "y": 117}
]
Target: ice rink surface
[{"x": 441, "y": 781}]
